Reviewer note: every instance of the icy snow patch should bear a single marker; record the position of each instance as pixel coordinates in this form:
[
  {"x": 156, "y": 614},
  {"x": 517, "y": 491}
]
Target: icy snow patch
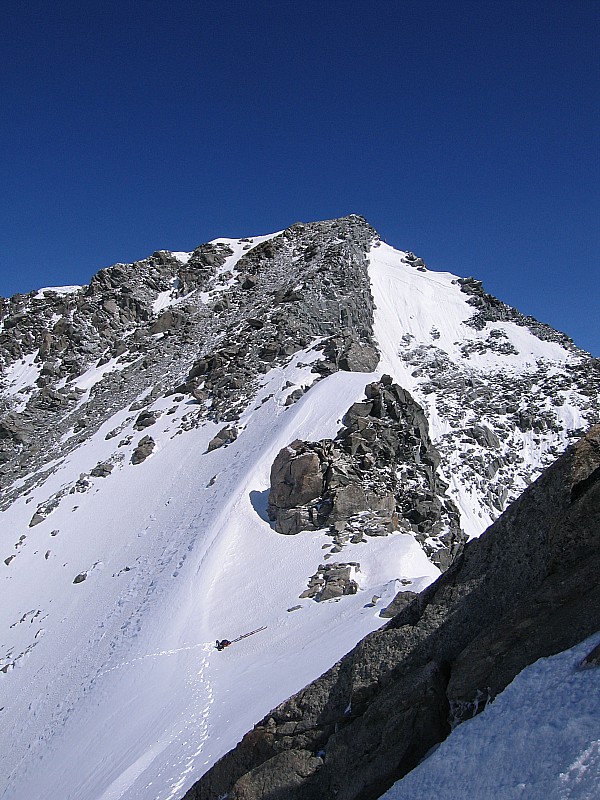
[
  {"x": 240, "y": 247},
  {"x": 60, "y": 290},
  {"x": 19, "y": 381},
  {"x": 182, "y": 257},
  {"x": 538, "y": 740},
  {"x": 167, "y": 298}
]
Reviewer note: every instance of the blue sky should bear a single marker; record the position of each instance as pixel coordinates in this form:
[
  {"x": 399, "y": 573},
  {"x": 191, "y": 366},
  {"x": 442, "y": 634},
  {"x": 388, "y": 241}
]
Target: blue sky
[{"x": 464, "y": 131}]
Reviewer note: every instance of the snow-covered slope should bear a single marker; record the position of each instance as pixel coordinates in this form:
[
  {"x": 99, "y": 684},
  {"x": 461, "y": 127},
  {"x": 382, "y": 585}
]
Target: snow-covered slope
[
  {"x": 501, "y": 376},
  {"x": 538, "y": 740},
  {"x": 119, "y": 573},
  {"x": 119, "y": 687}
]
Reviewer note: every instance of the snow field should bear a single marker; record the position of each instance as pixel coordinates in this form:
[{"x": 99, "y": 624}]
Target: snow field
[{"x": 124, "y": 696}]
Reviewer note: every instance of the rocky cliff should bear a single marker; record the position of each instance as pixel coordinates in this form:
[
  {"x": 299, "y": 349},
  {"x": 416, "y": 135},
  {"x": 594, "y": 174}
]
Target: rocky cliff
[{"x": 524, "y": 590}]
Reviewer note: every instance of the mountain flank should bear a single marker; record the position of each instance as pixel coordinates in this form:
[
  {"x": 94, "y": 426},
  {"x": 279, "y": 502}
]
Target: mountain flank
[
  {"x": 526, "y": 589},
  {"x": 295, "y": 434}
]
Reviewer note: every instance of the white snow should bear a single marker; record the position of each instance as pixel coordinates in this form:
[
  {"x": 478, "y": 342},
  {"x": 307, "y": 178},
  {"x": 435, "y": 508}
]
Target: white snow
[
  {"x": 167, "y": 298},
  {"x": 116, "y": 689},
  {"x": 538, "y": 740},
  {"x": 19, "y": 380},
  {"x": 61, "y": 290},
  {"x": 408, "y": 302},
  {"x": 181, "y": 256}
]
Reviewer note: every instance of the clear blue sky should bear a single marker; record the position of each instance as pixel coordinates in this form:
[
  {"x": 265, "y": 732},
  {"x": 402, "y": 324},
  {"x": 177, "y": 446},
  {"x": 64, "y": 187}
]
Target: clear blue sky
[{"x": 465, "y": 131}]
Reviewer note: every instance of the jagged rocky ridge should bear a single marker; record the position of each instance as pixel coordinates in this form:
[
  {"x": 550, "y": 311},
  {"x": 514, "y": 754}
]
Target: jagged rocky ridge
[
  {"x": 221, "y": 331},
  {"x": 526, "y": 589},
  {"x": 207, "y": 325}
]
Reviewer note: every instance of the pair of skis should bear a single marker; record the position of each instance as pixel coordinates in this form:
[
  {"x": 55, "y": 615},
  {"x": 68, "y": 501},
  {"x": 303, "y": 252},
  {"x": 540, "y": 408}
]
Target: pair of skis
[{"x": 223, "y": 643}]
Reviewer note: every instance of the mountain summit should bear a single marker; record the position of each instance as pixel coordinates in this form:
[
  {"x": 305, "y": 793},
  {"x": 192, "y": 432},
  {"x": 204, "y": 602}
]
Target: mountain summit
[{"x": 296, "y": 433}]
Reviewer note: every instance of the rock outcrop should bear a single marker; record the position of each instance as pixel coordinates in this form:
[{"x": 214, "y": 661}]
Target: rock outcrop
[
  {"x": 526, "y": 589},
  {"x": 379, "y": 474},
  {"x": 145, "y": 448},
  {"x": 332, "y": 581}
]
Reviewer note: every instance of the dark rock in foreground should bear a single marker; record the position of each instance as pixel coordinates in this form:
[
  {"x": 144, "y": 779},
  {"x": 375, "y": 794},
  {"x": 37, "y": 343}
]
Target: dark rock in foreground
[{"x": 526, "y": 589}]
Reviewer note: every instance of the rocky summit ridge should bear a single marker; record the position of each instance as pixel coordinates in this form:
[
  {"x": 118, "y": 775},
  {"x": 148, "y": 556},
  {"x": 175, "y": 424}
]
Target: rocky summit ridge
[
  {"x": 207, "y": 324},
  {"x": 294, "y": 432}
]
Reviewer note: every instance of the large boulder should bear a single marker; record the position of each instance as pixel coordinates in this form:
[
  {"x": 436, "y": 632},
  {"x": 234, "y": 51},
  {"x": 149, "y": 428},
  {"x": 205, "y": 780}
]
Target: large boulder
[
  {"x": 145, "y": 448},
  {"x": 296, "y": 478},
  {"x": 15, "y": 427},
  {"x": 225, "y": 436},
  {"x": 359, "y": 358},
  {"x": 356, "y": 475}
]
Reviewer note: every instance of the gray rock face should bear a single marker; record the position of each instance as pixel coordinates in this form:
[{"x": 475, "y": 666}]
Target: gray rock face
[
  {"x": 296, "y": 478},
  {"x": 14, "y": 427},
  {"x": 276, "y": 780},
  {"x": 144, "y": 448},
  {"x": 526, "y": 589},
  {"x": 484, "y": 436},
  {"x": 399, "y": 603},
  {"x": 348, "y": 354},
  {"x": 224, "y": 436},
  {"x": 379, "y": 474}
]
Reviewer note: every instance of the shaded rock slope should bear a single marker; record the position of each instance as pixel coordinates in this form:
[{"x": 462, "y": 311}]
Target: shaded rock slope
[{"x": 526, "y": 589}]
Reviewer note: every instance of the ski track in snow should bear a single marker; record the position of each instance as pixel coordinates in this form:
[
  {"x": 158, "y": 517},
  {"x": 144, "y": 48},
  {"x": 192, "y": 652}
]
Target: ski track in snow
[{"x": 203, "y": 645}]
